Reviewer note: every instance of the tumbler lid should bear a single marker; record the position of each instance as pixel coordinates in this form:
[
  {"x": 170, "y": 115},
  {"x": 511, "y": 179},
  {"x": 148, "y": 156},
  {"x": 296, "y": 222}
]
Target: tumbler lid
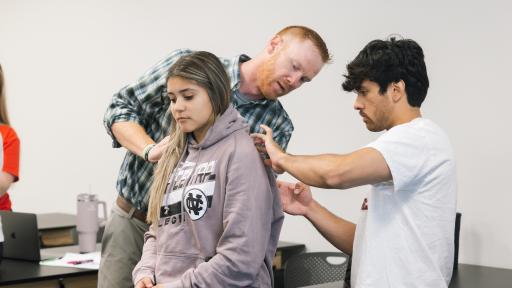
[{"x": 84, "y": 197}]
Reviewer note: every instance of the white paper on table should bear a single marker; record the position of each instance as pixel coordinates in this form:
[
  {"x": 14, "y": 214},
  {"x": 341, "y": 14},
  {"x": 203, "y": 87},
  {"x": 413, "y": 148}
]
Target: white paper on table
[{"x": 70, "y": 257}]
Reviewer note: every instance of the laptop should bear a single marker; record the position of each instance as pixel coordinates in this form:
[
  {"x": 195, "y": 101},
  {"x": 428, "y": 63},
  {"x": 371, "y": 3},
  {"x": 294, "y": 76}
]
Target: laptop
[{"x": 21, "y": 236}]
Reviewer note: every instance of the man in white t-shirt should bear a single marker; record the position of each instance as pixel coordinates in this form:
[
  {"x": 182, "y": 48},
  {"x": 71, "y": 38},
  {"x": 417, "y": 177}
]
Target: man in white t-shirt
[{"x": 404, "y": 237}]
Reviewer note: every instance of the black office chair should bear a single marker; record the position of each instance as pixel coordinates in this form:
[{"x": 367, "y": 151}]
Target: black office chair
[
  {"x": 315, "y": 268},
  {"x": 458, "y": 216}
]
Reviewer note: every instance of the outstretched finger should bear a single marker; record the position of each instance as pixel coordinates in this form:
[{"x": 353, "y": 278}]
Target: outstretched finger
[
  {"x": 298, "y": 188},
  {"x": 267, "y": 130},
  {"x": 261, "y": 149},
  {"x": 301, "y": 187},
  {"x": 257, "y": 140},
  {"x": 258, "y": 137}
]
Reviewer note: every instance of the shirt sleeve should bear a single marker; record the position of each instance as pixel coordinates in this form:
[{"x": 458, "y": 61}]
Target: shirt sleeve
[
  {"x": 282, "y": 132},
  {"x": 405, "y": 152},
  {"x": 11, "y": 150},
  {"x": 247, "y": 226},
  {"x": 146, "y": 265},
  {"x": 130, "y": 103}
]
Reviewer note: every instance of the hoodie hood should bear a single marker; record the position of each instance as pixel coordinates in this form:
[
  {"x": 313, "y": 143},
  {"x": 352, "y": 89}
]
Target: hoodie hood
[{"x": 227, "y": 123}]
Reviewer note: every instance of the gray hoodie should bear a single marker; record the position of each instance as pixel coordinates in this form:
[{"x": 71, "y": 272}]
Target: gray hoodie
[{"x": 220, "y": 218}]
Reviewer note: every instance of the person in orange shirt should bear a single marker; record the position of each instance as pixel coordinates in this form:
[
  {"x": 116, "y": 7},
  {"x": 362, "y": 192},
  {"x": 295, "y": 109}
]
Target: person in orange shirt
[{"x": 10, "y": 152}]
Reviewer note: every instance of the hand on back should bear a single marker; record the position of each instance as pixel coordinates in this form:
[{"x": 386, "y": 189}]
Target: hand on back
[{"x": 266, "y": 145}]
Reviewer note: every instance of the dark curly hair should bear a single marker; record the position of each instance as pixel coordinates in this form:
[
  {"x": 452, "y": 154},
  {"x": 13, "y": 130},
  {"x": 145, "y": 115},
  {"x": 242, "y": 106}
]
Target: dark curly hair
[{"x": 389, "y": 61}]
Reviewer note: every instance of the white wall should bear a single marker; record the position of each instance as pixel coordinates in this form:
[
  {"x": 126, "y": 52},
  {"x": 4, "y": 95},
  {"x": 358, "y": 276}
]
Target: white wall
[{"x": 64, "y": 59}]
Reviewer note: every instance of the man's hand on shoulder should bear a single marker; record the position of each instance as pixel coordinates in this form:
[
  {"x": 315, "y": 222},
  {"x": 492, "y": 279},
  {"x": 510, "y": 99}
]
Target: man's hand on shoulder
[{"x": 266, "y": 145}]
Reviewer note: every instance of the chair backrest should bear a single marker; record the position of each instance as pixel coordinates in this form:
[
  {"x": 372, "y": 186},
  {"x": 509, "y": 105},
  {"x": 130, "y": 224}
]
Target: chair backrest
[
  {"x": 315, "y": 268},
  {"x": 456, "y": 238}
]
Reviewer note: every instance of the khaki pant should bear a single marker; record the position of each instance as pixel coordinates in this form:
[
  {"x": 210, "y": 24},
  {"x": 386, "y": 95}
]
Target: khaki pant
[{"x": 121, "y": 249}]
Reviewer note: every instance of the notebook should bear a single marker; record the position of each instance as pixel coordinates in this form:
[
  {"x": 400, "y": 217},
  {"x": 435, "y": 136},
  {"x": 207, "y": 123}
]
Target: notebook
[{"x": 21, "y": 236}]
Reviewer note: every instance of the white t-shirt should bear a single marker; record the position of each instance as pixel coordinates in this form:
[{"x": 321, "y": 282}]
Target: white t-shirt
[{"x": 406, "y": 236}]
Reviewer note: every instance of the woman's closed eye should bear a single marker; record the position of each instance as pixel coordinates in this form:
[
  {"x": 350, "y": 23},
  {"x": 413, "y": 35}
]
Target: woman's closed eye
[
  {"x": 188, "y": 97},
  {"x": 185, "y": 97}
]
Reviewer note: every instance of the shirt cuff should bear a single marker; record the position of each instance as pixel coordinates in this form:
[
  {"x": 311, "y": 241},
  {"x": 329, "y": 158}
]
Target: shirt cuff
[{"x": 142, "y": 274}]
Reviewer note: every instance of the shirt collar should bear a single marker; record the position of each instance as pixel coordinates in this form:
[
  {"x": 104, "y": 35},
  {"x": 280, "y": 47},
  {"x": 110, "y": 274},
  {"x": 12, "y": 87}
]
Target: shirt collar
[{"x": 233, "y": 66}]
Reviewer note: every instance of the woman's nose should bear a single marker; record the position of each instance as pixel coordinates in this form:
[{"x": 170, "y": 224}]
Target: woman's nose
[{"x": 178, "y": 105}]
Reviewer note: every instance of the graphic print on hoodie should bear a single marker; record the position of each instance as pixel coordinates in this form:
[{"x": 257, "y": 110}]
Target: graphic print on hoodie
[{"x": 192, "y": 192}]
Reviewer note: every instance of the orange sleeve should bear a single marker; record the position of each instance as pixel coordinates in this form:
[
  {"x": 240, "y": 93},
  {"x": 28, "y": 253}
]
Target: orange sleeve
[{"x": 11, "y": 149}]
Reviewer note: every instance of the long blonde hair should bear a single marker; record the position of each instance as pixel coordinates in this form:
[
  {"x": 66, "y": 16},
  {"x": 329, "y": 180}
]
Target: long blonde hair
[
  {"x": 205, "y": 70},
  {"x": 4, "y": 117}
]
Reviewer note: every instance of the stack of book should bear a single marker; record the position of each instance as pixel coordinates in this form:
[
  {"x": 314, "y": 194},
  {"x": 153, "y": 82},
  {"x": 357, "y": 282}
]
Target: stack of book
[{"x": 57, "y": 229}]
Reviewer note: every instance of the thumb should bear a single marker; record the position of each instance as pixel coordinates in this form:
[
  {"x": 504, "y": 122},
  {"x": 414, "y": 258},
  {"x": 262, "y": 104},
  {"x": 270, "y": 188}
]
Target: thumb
[
  {"x": 267, "y": 130},
  {"x": 299, "y": 187}
]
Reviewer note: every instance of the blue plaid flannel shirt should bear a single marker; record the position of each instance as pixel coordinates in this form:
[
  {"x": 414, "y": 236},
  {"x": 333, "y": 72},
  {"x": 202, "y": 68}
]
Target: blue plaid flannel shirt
[{"x": 146, "y": 103}]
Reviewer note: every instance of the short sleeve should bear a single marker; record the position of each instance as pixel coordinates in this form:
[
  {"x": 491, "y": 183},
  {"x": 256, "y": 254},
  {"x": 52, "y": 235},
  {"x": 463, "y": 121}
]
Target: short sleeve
[
  {"x": 11, "y": 151},
  {"x": 405, "y": 153}
]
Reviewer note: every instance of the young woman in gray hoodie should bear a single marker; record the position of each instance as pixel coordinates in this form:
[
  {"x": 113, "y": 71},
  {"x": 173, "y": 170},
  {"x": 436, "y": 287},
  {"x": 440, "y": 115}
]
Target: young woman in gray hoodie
[{"x": 214, "y": 208}]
